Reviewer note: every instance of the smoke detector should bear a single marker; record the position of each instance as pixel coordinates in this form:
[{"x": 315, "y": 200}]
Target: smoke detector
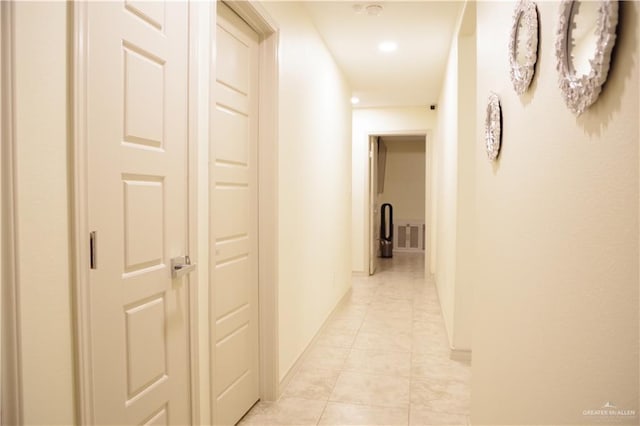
[{"x": 372, "y": 9}]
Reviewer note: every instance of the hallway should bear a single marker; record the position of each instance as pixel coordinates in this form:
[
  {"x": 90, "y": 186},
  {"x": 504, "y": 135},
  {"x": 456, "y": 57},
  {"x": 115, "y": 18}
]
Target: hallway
[{"x": 382, "y": 359}]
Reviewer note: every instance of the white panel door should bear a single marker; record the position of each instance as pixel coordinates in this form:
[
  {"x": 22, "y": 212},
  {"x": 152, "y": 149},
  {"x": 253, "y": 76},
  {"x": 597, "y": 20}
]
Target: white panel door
[
  {"x": 234, "y": 209},
  {"x": 137, "y": 145}
]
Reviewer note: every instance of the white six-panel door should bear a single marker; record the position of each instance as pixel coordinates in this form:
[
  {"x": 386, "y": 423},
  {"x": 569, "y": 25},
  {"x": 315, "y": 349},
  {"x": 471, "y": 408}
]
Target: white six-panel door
[
  {"x": 137, "y": 143},
  {"x": 234, "y": 209}
]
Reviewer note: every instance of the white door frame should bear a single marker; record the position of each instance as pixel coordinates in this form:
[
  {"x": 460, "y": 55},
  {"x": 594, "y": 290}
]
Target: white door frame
[
  {"x": 373, "y": 192},
  {"x": 10, "y": 365},
  {"x": 258, "y": 18},
  {"x": 367, "y": 217},
  {"x": 80, "y": 210}
]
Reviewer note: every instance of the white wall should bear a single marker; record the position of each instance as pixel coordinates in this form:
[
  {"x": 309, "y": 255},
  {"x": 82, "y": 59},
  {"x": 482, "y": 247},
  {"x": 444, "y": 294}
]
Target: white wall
[
  {"x": 43, "y": 212},
  {"x": 314, "y": 176},
  {"x": 404, "y": 180},
  {"x": 315, "y": 199},
  {"x": 377, "y": 121},
  {"x": 556, "y": 301},
  {"x": 465, "y": 244},
  {"x": 452, "y": 249},
  {"x": 444, "y": 189}
]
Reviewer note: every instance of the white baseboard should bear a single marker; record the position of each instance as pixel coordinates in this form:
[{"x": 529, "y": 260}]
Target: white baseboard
[
  {"x": 463, "y": 355},
  {"x": 298, "y": 363},
  {"x": 359, "y": 274}
]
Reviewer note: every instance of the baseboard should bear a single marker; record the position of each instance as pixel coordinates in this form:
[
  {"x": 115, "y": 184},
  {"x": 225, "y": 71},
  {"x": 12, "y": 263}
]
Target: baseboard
[
  {"x": 463, "y": 355},
  {"x": 359, "y": 274},
  {"x": 298, "y": 363}
]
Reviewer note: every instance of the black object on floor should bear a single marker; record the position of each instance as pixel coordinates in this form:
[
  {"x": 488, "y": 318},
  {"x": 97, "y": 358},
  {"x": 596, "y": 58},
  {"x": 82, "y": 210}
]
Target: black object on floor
[{"x": 386, "y": 230}]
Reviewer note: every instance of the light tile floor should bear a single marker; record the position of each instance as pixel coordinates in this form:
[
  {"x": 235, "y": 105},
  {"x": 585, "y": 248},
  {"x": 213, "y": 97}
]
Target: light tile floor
[{"x": 382, "y": 360}]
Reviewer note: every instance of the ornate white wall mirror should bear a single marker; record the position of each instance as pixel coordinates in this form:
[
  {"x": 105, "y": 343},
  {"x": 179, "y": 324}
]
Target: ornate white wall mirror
[
  {"x": 585, "y": 37},
  {"x": 493, "y": 126},
  {"x": 523, "y": 45}
]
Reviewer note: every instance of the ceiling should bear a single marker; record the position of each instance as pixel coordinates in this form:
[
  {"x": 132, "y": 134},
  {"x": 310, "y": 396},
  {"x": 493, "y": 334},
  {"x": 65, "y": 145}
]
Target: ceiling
[{"x": 410, "y": 76}]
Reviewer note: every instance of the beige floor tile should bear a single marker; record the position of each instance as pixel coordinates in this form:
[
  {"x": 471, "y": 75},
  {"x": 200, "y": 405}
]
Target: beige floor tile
[
  {"x": 360, "y": 298},
  {"x": 349, "y": 414},
  {"x": 312, "y": 383},
  {"x": 373, "y": 324},
  {"x": 423, "y": 315},
  {"x": 396, "y": 293},
  {"x": 286, "y": 411},
  {"x": 430, "y": 367},
  {"x": 379, "y": 362},
  {"x": 426, "y": 341},
  {"x": 346, "y": 324},
  {"x": 445, "y": 396},
  {"x": 351, "y": 319},
  {"x": 390, "y": 308},
  {"x": 368, "y": 389},
  {"x": 383, "y": 314},
  {"x": 431, "y": 349},
  {"x": 384, "y": 358},
  {"x": 331, "y": 357},
  {"x": 405, "y": 322},
  {"x": 434, "y": 325},
  {"x": 342, "y": 338},
  {"x": 382, "y": 342},
  {"x": 420, "y": 415}
]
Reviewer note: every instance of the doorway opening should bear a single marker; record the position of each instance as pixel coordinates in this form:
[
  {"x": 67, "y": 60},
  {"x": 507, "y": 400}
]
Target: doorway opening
[{"x": 399, "y": 175}]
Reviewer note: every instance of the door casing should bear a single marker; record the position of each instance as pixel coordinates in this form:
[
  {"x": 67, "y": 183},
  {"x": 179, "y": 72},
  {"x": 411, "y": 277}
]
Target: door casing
[
  {"x": 373, "y": 207},
  {"x": 369, "y": 202},
  {"x": 10, "y": 365},
  {"x": 258, "y": 18}
]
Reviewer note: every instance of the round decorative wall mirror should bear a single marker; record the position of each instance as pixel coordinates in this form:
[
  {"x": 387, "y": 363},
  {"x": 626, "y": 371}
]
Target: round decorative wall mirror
[
  {"x": 586, "y": 35},
  {"x": 493, "y": 126},
  {"x": 523, "y": 45}
]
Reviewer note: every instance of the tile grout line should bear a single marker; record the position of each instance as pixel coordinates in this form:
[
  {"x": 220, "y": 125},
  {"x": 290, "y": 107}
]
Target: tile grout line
[
  {"x": 343, "y": 365},
  {"x": 413, "y": 316}
]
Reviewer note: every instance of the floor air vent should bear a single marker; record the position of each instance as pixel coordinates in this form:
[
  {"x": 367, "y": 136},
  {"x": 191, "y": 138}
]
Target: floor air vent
[{"x": 409, "y": 236}]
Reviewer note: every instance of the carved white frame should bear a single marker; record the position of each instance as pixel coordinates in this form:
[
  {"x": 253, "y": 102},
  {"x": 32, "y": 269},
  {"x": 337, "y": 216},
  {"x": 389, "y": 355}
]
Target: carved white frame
[
  {"x": 580, "y": 92},
  {"x": 493, "y": 126},
  {"x": 522, "y": 74}
]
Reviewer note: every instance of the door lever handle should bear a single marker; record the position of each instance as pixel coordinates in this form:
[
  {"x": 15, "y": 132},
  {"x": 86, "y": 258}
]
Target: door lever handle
[{"x": 181, "y": 266}]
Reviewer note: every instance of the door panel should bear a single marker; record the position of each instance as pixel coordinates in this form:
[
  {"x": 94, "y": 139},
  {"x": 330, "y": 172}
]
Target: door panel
[
  {"x": 234, "y": 220},
  {"x": 137, "y": 143}
]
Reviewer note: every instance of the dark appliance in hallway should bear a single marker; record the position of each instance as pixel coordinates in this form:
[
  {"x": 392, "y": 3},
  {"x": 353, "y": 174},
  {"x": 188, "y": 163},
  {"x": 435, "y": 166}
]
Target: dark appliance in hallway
[{"x": 386, "y": 230}]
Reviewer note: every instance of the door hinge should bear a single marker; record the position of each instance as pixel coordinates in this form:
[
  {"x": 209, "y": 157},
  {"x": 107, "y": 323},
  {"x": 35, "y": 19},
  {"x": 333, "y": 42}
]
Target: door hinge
[{"x": 93, "y": 250}]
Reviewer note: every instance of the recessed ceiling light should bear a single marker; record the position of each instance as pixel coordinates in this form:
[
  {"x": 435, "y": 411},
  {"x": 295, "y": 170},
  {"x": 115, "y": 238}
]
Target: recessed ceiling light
[
  {"x": 355, "y": 100},
  {"x": 387, "y": 46}
]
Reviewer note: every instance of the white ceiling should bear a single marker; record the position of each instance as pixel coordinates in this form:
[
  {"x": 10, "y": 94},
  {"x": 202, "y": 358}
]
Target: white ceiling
[{"x": 410, "y": 76}]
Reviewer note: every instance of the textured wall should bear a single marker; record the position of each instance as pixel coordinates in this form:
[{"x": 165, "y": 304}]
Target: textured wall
[{"x": 556, "y": 297}]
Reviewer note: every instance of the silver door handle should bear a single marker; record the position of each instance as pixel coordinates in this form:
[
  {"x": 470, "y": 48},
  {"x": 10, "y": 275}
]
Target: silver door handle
[{"x": 181, "y": 266}]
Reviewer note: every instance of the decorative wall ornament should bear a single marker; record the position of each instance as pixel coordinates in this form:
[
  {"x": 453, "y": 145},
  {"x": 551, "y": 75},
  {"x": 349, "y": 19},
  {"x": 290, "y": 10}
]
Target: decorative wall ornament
[
  {"x": 586, "y": 35},
  {"x": 523, "y": 45},
  {"x": 493, "y": 126}
]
